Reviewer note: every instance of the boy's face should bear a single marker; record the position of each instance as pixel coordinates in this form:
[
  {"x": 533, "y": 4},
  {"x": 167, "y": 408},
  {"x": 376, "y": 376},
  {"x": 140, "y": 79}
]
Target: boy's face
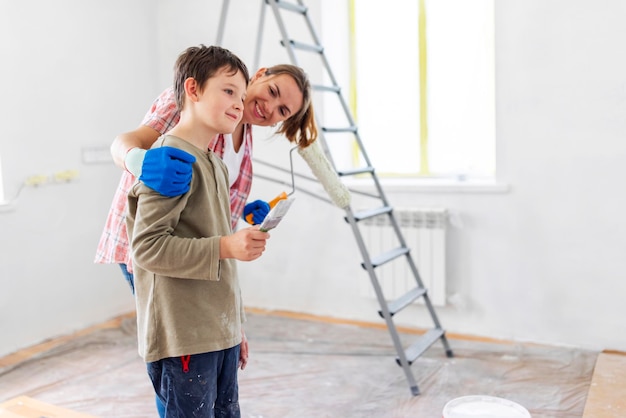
[{"x": 220, "y": 105}]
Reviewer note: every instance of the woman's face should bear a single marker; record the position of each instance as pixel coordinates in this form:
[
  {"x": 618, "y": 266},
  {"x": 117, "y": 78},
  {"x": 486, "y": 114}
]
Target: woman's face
[{"x": 271, "y": 99}]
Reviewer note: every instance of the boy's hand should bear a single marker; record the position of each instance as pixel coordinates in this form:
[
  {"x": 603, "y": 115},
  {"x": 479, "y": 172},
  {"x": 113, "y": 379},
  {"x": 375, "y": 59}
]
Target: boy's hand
[
  {"x": 244, "y": 245},
  {"x": 255, "y": 212},
  {"x": 166, "y": 170},
  {"x": 243, "y": 351}
]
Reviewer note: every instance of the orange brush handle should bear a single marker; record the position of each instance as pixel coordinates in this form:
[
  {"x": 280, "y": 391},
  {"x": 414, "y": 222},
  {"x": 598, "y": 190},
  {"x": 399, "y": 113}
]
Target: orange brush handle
[
  {"x": 278, "y": 198},
  {"x": 283, "y": 195}
]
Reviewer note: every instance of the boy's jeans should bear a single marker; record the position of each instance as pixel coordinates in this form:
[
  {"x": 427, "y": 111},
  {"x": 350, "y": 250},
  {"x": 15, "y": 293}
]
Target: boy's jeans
[{"x": 208, "y": 389}]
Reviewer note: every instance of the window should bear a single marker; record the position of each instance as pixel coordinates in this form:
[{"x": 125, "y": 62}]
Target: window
[{"x": 424, "y": 93}]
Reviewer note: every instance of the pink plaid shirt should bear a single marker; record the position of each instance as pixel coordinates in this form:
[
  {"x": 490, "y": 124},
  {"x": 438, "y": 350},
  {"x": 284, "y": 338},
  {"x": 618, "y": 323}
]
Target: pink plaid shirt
[{"x": 113, "y": 247}]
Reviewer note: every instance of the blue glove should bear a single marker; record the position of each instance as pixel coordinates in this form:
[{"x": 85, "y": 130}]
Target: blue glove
[
  {"x": 255, "y": 212},
  {"x": 166, "y": 170}
]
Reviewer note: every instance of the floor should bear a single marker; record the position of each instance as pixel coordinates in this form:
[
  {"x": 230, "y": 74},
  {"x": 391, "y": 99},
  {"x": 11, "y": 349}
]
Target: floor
[{"x": 312, "y": 367}]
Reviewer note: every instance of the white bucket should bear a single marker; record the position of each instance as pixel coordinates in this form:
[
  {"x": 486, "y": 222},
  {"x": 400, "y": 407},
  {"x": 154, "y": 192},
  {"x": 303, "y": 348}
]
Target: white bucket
[{"x": 478, "y": 406}]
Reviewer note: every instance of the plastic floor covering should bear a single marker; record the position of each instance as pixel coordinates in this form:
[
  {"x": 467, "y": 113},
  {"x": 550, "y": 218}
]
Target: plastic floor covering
[{"x": 304, "y": 368}]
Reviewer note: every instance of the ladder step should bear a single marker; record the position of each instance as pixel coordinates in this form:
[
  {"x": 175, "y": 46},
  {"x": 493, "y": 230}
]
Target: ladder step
[
  {"x": 370, "y": 213},
  {"x": 351, "y": 129},
  {"x": 304, "y": 47},
  {"x": 404, "y": 301},
  {"x": 356, "y": 171},
  {"x": 381, "y": 259},
  {"x": 332, "y": 89},
  {"x": 290, "y": 6},
  {"x": 421, "y": 345}
]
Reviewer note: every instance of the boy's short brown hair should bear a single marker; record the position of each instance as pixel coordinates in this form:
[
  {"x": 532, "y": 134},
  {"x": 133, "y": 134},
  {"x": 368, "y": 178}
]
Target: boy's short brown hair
[{"x": 201, "y": 63}]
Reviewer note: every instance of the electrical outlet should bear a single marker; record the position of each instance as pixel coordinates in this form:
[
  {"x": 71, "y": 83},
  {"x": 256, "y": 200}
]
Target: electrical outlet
[{"x": 97, "y": 155}]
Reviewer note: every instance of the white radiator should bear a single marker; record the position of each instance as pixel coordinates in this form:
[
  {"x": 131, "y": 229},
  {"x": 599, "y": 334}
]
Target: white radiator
[{"x": 424, "y": 231}]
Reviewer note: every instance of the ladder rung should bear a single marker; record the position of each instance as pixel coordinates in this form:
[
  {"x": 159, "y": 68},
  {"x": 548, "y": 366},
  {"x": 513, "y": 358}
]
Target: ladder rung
[
  {"x": 404, "y": 301},
  {"x": 383, "y": 258},
  {"x": 290, "y": 6},
  {"x": 370, "y": 213},
  {"x": 332, "y": 89},
  {"x": 355, "y": 171},
  {"x": 305, "y": 47},
  {"x": 339, "y": 130},
  {"x": 421, "y": 345}
]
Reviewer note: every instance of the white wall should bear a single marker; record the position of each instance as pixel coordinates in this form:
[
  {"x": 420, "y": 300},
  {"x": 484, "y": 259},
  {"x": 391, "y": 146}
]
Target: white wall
[
  {"x": 542, "y": 262},
  {"x": 73, "y": 75}
]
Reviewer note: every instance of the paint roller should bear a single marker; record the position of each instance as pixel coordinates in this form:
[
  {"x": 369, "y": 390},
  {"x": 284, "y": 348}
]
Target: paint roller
[{"x": 325, "y": 173}]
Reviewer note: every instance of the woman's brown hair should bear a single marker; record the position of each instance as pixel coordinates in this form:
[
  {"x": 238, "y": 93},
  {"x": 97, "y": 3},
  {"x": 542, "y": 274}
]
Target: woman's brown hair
[{"x": 301, "y": 127}]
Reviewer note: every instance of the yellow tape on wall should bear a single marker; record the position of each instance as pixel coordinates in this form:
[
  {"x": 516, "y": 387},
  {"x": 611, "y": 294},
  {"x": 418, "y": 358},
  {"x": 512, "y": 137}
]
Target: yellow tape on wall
[
  {"x": 424, "y": 168},
  {"x": 353, "y": 84}
]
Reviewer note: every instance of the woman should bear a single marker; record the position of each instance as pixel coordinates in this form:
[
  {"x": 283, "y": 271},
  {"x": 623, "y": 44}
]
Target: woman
[{"x": 276, "y": 95}]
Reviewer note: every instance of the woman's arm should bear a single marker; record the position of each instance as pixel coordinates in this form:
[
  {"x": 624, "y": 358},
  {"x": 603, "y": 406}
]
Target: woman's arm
[
  {"x": 143, "y": 137},
  {"x": 165, "y": 170}
]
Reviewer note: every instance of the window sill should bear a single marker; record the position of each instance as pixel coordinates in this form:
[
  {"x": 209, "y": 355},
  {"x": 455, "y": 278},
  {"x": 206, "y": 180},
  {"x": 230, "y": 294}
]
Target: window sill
[{"x": 434, "y": 185}]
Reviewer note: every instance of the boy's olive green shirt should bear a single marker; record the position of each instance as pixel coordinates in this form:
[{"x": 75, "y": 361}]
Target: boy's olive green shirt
[{"x": 188, "y": 300}]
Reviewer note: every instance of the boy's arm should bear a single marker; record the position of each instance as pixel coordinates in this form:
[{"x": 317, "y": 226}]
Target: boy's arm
[{"x": 152, "y": 218}]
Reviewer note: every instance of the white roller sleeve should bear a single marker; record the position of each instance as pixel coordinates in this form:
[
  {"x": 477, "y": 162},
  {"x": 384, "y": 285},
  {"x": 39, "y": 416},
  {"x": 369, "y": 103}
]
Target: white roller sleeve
[{"x": 324, "y": 172}]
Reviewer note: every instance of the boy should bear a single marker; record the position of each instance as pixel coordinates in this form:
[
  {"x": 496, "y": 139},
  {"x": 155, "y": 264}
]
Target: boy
[{"x": 189, "y": 309}]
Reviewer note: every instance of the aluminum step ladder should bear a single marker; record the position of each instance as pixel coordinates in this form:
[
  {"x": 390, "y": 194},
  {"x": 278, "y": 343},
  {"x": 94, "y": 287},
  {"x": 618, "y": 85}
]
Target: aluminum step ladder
[{"x": 381, "y": 207}]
